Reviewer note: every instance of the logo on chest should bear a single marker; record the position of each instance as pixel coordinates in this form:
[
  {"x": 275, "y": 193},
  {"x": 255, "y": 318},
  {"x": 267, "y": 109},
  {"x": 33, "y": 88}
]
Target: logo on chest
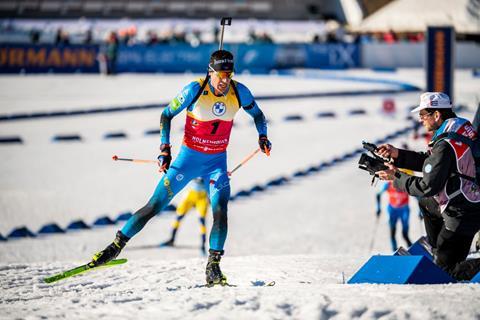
[{"x": 219, "y": 109}]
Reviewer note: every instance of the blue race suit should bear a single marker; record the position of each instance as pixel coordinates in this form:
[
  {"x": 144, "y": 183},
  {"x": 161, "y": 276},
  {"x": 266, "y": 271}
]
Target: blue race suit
[
  {"x": 203, "y": 154},
  {"x": 397, "y": 208}
]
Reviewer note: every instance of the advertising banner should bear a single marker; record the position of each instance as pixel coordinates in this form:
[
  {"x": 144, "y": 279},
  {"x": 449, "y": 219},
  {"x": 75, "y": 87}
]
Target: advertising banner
[
  {"x": 176, "y": 58},
  {"x": 17, "y": 58}
]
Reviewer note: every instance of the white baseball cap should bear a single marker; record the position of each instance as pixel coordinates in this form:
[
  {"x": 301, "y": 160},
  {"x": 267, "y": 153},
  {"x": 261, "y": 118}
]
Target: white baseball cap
[{"x": 436, "y": 100}]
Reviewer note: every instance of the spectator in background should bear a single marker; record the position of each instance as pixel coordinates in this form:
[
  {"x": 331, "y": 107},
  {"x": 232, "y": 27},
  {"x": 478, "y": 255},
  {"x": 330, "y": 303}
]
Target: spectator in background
[
  {"x": 112, "y": 53},
  {"x": 61, "y": 38},
  {"x": 389, "y": 37},
  {"x": 194, "y": 37},
  {"x": 259, "y": 37},
  {"x": 416, "y": 37},
  {"x": 165, "y": 36},
  {"x": 88, "y": 37},
  {"x": 35, "y": 36},
  {"x": 127, "y": 36},
  {"x": 179, "y": 36},
  {"x": 317, "y": 38},
  {"x": 264, "y": 37},
  {"x": 58, "y": 36},
  {"x": 152, "y": 37},
  {"x": 252, "y": 37},
  {"x": 108, "y": 55}
]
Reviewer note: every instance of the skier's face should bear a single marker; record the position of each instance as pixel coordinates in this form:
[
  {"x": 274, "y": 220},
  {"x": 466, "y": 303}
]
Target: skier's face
[{"x": 220, "y": 80}]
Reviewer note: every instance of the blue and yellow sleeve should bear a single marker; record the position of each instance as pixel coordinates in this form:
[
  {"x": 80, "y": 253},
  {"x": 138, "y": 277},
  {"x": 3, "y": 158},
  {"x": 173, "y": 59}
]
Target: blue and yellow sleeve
[{"x": 180, "y": 102}]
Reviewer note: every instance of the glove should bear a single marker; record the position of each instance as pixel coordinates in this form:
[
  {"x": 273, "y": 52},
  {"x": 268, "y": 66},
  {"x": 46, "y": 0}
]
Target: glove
[
  {"x": 378, "y": 212},
  {"x": 264, "y": 144},
  {"x": 165, "y": 157}
]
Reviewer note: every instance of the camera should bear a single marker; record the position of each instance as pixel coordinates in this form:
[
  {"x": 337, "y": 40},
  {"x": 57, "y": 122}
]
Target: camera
[{"x": 372, "y": 163}]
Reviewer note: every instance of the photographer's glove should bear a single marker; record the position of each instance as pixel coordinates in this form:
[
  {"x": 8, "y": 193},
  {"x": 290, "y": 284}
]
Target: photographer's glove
[
  {"x": 264, "y": 144},
  {"x": 165, "y": 157}
]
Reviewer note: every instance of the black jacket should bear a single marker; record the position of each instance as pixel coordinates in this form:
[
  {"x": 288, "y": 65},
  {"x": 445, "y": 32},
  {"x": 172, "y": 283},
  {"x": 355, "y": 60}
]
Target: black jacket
[{"x": 438, "y": 167}]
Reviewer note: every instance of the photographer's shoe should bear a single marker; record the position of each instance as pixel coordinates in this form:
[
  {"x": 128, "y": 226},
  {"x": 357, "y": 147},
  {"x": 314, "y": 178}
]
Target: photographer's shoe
[
  {"x": 111, "y": 251},
  {"x": 401, "y": 251}
]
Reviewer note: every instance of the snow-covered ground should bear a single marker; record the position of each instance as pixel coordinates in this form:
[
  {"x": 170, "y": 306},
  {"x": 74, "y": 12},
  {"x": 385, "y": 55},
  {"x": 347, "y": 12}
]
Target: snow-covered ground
[{"x": 309, "y": 236}]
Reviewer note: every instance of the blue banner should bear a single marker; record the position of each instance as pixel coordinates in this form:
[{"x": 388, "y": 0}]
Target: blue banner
[
  {"x": 257, "y": 58},
  {"x": 334, "y": 56},
  {"x": 440, "y": 63},
  {"x": 183, "y": 57},
  {"x": 15, "y": 58},
  {"x": 177, "y": 58}
]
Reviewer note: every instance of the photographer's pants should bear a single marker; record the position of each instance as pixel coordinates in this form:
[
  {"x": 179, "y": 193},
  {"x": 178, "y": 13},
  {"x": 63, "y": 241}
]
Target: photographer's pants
[{"x": 450, "y": 248}]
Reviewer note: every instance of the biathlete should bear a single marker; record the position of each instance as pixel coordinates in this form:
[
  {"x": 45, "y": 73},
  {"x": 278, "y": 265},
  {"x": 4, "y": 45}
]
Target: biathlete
[
  {"x": 197, "y": 197},
  {"x": 211, "y": 105},
  {"x": 397, "y": 209}
]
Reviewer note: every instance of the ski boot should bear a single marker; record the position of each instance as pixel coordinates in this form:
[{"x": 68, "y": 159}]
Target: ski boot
[
  {"x": 111, "y": 251},
  {"x": 168, "y": 243},
  {"x": 214, "y": 275}
]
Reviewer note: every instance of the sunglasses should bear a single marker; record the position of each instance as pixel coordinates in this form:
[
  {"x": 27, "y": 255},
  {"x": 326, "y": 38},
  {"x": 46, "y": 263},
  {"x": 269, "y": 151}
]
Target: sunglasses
[
  {"x": 222, "y": 74},
  {"x": 424, "y": 115}
]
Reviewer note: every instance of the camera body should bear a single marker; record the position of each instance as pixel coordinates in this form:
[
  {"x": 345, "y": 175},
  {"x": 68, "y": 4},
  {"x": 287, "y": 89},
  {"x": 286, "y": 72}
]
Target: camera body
[{"x": 372, "y": 163}]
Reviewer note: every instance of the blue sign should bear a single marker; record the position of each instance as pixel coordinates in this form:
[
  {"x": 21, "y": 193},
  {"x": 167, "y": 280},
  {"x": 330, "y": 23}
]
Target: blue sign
[{"x": 162, "y": 58}]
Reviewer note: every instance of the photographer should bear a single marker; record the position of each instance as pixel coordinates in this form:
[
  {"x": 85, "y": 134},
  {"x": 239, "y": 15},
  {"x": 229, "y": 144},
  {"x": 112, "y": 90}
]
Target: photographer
[{"x": 449, "y": 195}]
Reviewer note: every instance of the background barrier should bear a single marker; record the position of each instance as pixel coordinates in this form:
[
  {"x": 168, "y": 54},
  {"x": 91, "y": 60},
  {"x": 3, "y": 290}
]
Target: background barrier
[{"x": 257, "y": 58}]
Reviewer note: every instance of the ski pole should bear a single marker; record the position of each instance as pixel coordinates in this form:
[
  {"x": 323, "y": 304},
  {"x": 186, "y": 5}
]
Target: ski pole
[
  {"x": 250, "y": 156},
  {"x": 116, "y": 158},
  {"x": 224, "y": 22}
]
